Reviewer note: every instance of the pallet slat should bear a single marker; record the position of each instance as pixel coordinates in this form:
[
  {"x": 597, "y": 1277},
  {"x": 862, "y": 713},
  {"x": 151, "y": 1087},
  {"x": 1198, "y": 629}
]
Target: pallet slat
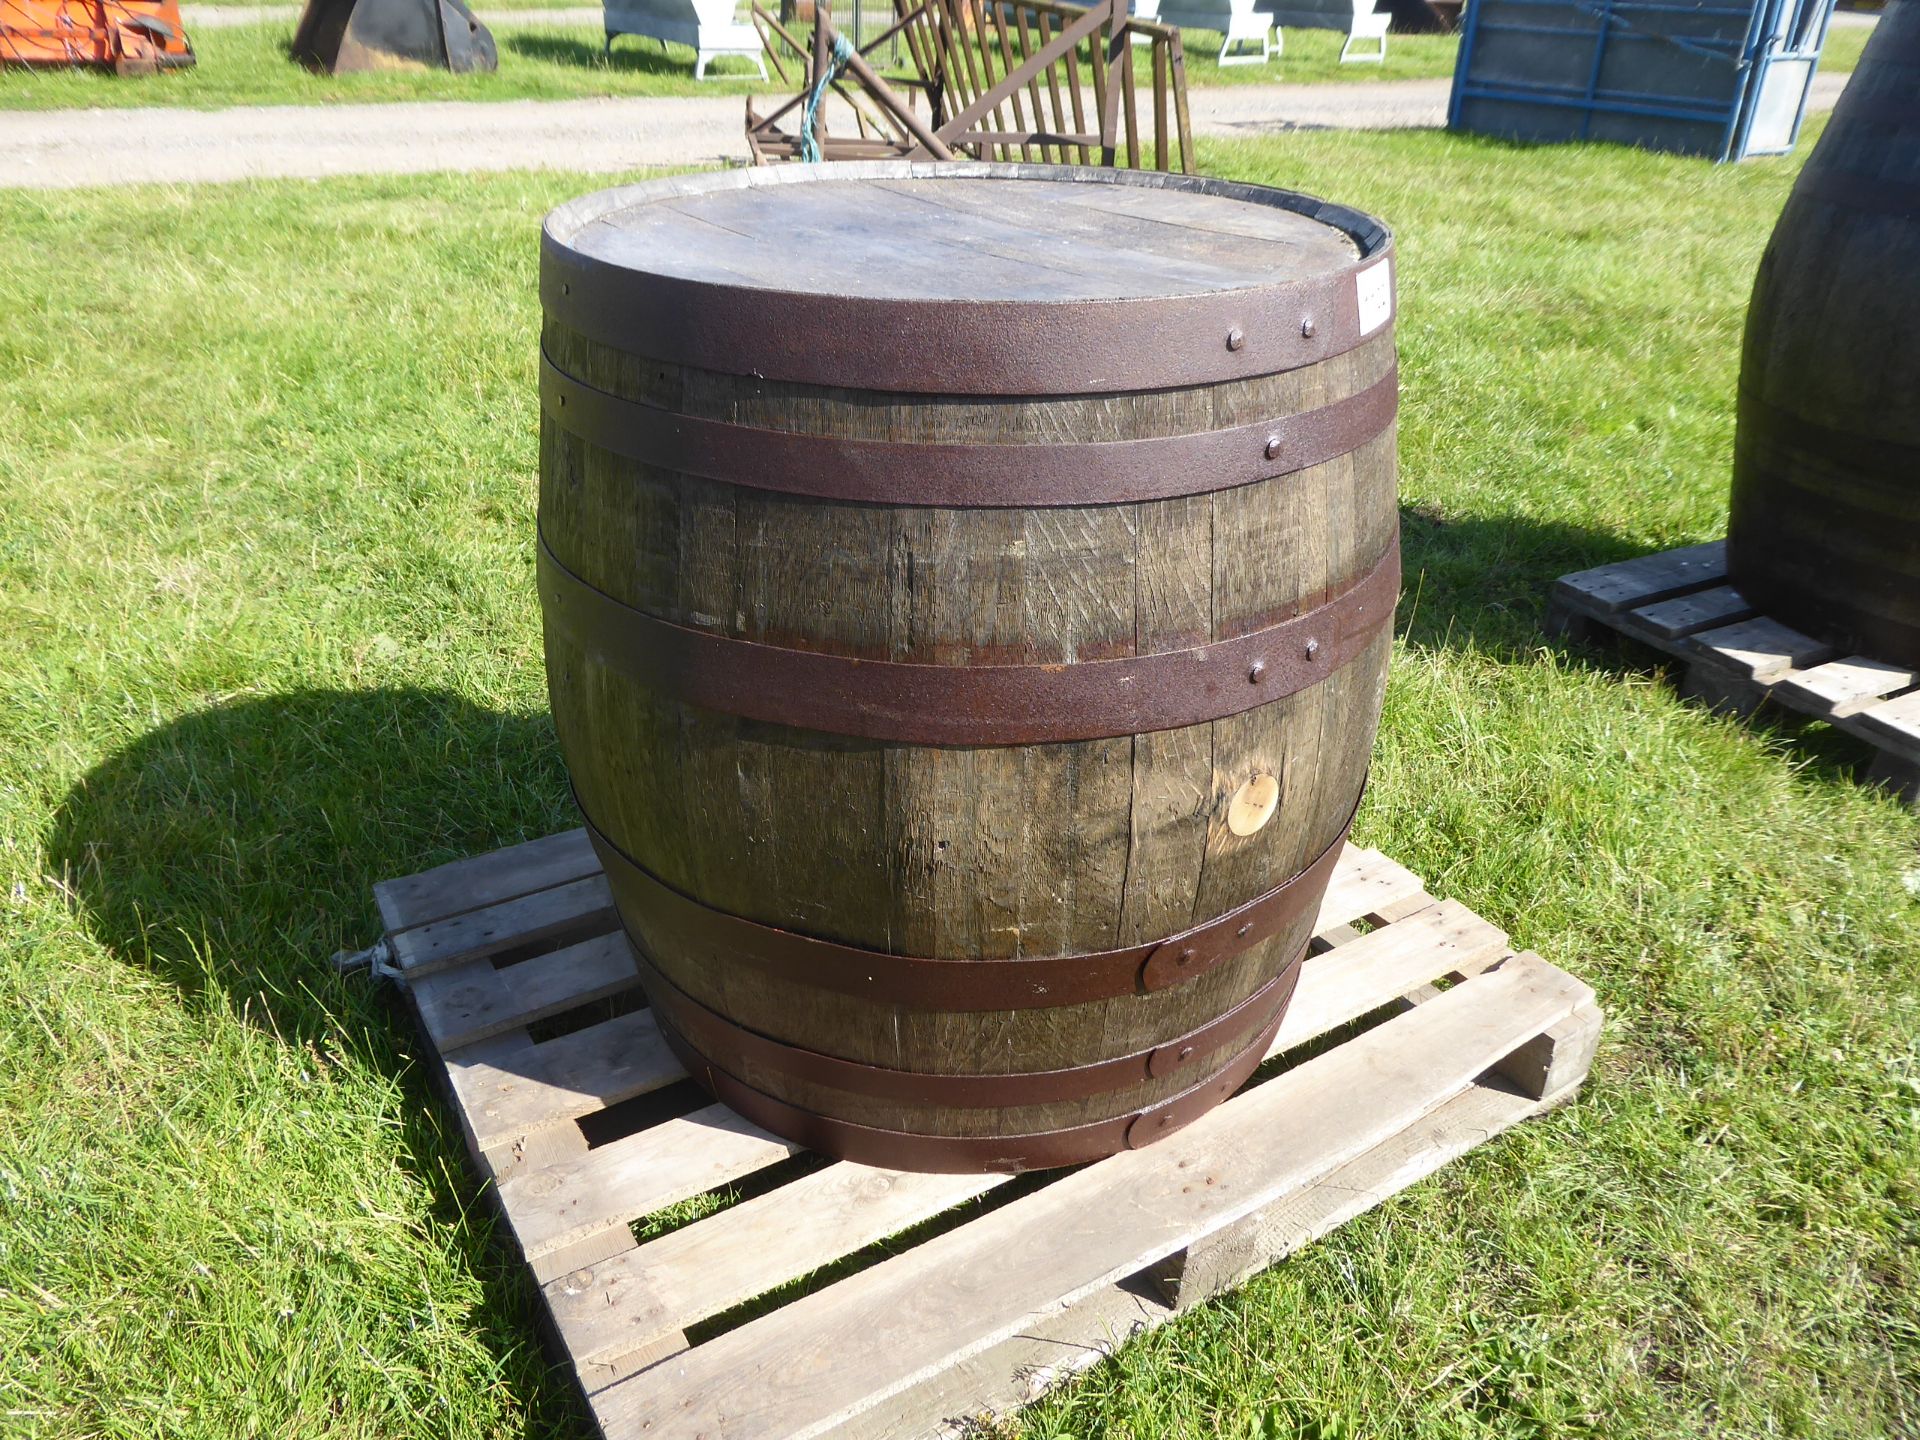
[
  {"x": 1760, "y": 650},
  {"x": 1845, "y": 687},
  {"x": 577, "y": 907},
  {"x": 1737, "y": 659},
  {"x": 573, "y": 1213},
  {"x": 971, "y": 1288},
  {"x": 484, "y": 879},
  {"x": 625, "y": 1305},
  {"x": 476, "y": 1001},
  {"x": 1381, "y": 966},
  {"x": 1606, "y": 589},
  {"x": 538, "y": 1086},
  {"x": 1896, "y": 723},
  {"x": 1686, "y": 615}
]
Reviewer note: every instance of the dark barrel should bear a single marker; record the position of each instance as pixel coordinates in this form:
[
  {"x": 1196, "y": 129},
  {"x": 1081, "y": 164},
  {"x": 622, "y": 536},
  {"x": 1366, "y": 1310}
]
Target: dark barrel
[
  {"x": 1825, "y": 530},
  {"x": 968, "y": 592}
]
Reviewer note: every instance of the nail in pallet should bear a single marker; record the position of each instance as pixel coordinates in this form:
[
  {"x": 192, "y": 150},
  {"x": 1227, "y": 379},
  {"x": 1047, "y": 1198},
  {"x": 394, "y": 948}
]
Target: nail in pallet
[
  {"x": 526, "y": 991},
  {"x": 1736, "y": 659}
]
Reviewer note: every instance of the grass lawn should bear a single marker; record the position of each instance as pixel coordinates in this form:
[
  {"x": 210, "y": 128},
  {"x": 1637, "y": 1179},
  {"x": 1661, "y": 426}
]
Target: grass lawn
[
  {"x": 267, "y": 454},
  {"x": 248, "y": 65}
]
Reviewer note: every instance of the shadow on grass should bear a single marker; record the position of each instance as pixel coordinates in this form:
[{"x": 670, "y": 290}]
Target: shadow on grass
[
  {"x": 1484, "y": 583},
  {"x": 233, "y": 851}
]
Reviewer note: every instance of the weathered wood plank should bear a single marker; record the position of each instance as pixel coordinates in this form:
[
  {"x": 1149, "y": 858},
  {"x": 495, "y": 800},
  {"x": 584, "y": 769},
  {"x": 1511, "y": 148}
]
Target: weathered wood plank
[
  {"x": 1893, "y": 724},
  {"x": 514, "y": 1091},
  {"x": 579, "y": 907},
  {"x": 1236, "y": 1254},
  {"x": 960, "y": 1294},
  {"x": 1555, "y": 1061},
  {"x": 1384, "y": 964},
  {"x": 474, "y": 1001},
  {"x": 956, "y": 1403},
  {"x": 576, "y": 1212},
  {"x": 1843, "y": 687},
  {"x": 1760, "y": 650},
  {"x": 1686, "y": 615},
  {"x": 478, "y": 880},
  {"x": 610, "y": 1312},
  {"x": 1628, "y": 584},
  {"x": 1364, "y": 882}
]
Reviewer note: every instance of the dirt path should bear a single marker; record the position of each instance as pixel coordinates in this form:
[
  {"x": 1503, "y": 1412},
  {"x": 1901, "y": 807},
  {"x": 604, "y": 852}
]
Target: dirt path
[{"x": 61, "y": 148}]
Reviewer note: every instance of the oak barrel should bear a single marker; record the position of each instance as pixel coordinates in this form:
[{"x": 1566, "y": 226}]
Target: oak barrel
[
  {"x": 1825, "y": 526},
  {"x": 968, "y": 593}
]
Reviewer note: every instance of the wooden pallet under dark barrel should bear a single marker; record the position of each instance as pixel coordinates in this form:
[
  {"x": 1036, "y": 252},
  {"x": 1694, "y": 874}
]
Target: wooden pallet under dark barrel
[
  {"x": 1679, "y": 602},
  {"x": 572, "y": 1106}
]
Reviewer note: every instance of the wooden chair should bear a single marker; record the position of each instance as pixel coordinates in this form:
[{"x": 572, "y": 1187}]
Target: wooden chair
[{"x": 999, "y": 80}]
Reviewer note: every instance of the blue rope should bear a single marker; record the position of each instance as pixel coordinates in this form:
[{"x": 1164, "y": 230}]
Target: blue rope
[{"x": 809, "y": 146}]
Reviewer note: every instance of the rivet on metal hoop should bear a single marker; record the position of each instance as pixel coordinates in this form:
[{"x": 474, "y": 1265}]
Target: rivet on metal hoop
[
  {"x": 1255, "y": 671},
  {"x": 1313, "y": 648},
  {"x": 1236, "y": 339},
  {"x": 1308, "y": 328},
  {"x": 1273, "y": 447}
]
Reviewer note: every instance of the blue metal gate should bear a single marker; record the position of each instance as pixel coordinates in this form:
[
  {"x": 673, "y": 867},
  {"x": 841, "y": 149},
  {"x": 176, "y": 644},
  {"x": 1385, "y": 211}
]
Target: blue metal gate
[{"x": 1722, "y": 78}]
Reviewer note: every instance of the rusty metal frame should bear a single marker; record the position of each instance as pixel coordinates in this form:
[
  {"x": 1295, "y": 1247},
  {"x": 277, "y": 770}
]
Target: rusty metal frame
[
  {"x": 921, "y": 704},
  {"x": 991, "y": 70},
  {"x": 655, "y": 911}
]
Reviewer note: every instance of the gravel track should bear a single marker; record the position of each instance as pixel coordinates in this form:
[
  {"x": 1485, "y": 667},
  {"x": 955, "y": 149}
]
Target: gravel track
[{"x": 63, "y": 148}]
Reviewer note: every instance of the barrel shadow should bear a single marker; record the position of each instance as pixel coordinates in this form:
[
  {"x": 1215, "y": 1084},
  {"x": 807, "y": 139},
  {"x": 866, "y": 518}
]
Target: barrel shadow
[
  {"x": 1484, "y": 582},
  {"x": 231, "y": 852}
]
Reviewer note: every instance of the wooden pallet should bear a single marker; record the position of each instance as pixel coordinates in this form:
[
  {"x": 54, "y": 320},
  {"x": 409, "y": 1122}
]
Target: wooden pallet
[
  {"x": 586, "y": 1131},
  {"x": 1736, "y": 659}
]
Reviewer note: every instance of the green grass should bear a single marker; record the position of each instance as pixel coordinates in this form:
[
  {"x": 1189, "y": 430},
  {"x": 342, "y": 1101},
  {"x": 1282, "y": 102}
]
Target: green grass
[
  {"x": 267, "y": 456},
  {"x": 248, "y": 65}
]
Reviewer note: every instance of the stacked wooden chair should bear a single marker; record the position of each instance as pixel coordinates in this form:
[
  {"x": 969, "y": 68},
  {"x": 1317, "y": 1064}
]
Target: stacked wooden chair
[{"x": 1023, "y": 80}]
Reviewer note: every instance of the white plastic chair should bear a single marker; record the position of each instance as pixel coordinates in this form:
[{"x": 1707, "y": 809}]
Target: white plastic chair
[
  {"x": 1248, "y": 26},
  {"x": 1368, "y": 24}
]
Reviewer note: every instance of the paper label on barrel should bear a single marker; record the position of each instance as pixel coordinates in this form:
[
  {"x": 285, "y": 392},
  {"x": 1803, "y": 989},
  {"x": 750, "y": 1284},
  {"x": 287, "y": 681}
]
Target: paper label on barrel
[{"x": 1375, "y": 288}]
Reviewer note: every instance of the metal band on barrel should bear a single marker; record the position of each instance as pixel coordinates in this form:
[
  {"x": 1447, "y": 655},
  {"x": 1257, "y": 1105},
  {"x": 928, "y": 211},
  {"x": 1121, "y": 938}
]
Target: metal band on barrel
[
  {"x": 910, "y": 1150},
  {"x": 972, "y": 704},
  {"x": 967, "y": 347},
  {"x": 658, "y": 913},
  {"x": 890, "y": 472},
  {"x": 720, "y": 1039}
]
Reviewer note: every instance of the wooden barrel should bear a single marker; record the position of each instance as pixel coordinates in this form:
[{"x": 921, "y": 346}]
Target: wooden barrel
[
  {"x": 968, "y": 593},
  {"x": 1825, "y": 529}
]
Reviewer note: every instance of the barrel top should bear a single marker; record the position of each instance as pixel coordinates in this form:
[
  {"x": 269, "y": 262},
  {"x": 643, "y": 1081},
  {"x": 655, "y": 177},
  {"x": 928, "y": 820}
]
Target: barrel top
[
  {"x": 952, "y": 237},
  {"x": 968, "y": 278}
]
